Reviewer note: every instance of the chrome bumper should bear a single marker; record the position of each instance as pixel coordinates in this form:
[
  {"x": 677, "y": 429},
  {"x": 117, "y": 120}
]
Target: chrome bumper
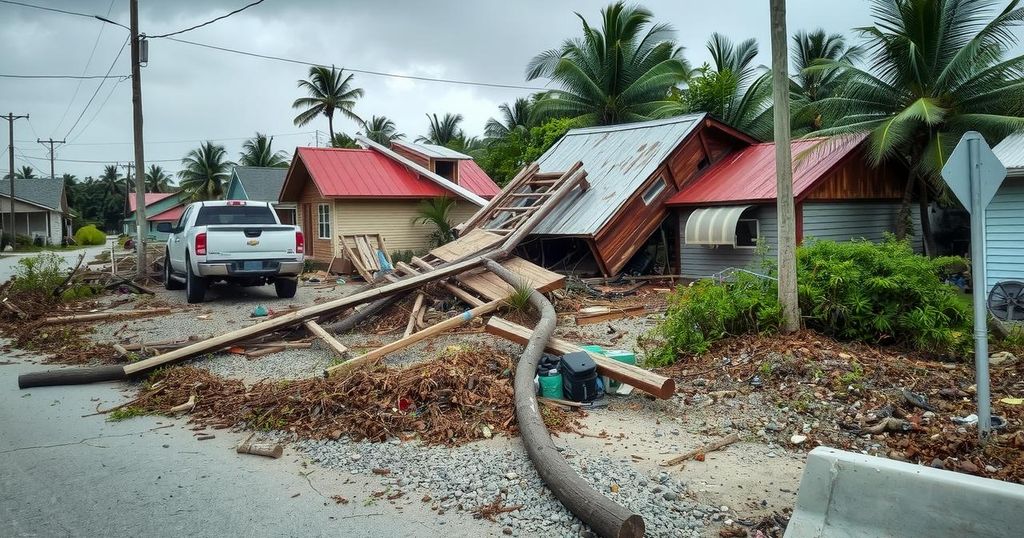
[{"x": 270, "y": 268}]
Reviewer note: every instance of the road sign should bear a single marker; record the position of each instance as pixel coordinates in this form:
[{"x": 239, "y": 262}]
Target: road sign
[
  {"x": 957, "y": 171},
  {"x": 974, "y": 174}
]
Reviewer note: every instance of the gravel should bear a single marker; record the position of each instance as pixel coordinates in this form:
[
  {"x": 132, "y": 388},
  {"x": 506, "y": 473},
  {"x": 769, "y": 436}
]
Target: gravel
[{"x": 462, "y": 479}]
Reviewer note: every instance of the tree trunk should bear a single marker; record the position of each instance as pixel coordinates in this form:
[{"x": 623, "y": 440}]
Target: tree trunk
[
  {"x": 330, "y": 129},
  {"x": 927, "y": 238},
  {"x": 903, "y": 215}
]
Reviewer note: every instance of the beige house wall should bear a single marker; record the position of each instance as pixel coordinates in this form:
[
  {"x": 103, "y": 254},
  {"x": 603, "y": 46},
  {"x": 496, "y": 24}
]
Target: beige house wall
[{"x": 392, "y": 219}]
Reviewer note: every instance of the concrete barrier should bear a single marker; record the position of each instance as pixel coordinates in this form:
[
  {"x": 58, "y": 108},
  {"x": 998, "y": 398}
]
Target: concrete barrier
[{"x": 843, "y": 494}]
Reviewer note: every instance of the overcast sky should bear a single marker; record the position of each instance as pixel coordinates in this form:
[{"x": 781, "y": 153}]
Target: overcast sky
[{"x": 191, "y": 94}]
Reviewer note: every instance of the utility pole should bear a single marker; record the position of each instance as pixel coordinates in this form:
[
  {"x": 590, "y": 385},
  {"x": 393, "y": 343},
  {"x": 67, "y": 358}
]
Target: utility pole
[
  {"x": 784, "y": 171},
  {"x": 10, "y": 117},
  {"x": 140, "y": 182},
  {"x": 51, "y": 142}
]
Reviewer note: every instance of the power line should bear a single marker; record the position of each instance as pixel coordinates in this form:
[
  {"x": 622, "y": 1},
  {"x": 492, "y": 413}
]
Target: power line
[
  {"x": 85, "y": 129},
  {"x": 211, "y": 21},
  {"x": 362, "y": 71},
  {"x": 88, "y": 62},
  {"x": 70, "y": 77},
  {"x": 112, "y": 64},
  {"x": 89, "y": 161},
  {"x": 53, "y": 9},
  {"x": 183, "y": 141}
]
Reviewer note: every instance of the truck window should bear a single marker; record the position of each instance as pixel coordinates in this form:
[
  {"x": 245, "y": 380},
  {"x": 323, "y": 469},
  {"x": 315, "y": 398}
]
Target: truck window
[{"x": 234, "y": 214}]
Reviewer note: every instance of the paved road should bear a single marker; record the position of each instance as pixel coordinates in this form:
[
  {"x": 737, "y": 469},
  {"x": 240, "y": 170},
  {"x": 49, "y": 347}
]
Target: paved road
[
  {"x": 65, "y": 475},
  {"x": 9, "y": 260}
]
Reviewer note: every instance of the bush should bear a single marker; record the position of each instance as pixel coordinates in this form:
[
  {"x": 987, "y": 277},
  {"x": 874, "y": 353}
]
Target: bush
[
  {"x": 90, "y": 235},
  {"x": 42, "y": 273},
  {"x": 404, "y": 256},
  {"x": 22, "y": 241}
]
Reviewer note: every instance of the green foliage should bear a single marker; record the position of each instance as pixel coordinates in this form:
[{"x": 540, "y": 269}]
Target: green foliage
[
  {"x": 90, "y": 235},
  {"x": 205, "y": 172},
  {"x": 5, "y": 241},
  {"x": 881, "y": 293},
  {"x": 519, "y": 299},
  {"x": 259, "y": 151},
  {"x": 41, "y": 273},
  {"x": 328, "y": 91},
  {"x": 124, "y": 413},
  {"x": 437, "y": 211},
  {"x": 708, "y": 310},
  {"x": 343, "y": 141},
  {"x": 402, "y": 256},
  {"x": 506, "y": 156}
]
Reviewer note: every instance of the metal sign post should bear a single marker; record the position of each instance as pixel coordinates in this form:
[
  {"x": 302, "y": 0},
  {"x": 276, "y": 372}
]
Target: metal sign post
[{"x": 974, "y": 174}]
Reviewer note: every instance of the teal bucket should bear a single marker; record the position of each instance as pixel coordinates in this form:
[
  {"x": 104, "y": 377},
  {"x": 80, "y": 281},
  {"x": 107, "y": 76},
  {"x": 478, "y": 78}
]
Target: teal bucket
[
  {"x": 620, "y": 355},
  {"x": 551, "y": 386}
]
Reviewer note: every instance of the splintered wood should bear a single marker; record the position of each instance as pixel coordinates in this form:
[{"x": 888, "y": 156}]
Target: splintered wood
[{"x": 362, "y": 251}]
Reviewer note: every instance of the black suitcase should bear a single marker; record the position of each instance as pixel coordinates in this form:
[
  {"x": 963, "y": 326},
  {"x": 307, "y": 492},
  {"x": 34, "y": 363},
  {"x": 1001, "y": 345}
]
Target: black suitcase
[{"x": 579, "y": 377}]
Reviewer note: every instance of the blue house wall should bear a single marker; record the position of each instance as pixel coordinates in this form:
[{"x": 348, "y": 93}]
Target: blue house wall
[{"x": 1004, "y": 234}]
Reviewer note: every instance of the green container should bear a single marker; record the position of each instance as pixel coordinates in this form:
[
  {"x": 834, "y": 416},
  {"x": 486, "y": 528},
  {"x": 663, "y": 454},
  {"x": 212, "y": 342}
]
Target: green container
[
  {"x": 620, "y": 355},
  {"x": 551, "y": 386},
  {"x": 593, "y": 349}
]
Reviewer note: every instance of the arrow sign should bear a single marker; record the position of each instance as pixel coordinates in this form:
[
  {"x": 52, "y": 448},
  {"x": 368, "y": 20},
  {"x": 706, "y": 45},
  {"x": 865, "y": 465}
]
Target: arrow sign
[{"x": 973, "y": 151}]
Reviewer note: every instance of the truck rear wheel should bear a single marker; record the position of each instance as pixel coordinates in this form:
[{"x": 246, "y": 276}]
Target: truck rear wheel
[
  {"x": 195, "y": 285},
  {"x": 286, "y": 287}
]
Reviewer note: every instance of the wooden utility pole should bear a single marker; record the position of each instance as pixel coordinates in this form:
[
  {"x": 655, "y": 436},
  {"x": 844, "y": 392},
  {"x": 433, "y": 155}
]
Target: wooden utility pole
[
  {"x": 50, "y": 142},
  {"x": 140, "y": 180},
  {"x": 784, "y": 170},
  {"x": 10, "y": 117}
]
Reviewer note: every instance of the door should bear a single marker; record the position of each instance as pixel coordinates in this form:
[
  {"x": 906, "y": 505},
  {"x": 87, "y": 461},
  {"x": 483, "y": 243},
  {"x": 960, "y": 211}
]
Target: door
[
  {"x": 307, "y": 229},
  {"x": 176, "y": 242}
]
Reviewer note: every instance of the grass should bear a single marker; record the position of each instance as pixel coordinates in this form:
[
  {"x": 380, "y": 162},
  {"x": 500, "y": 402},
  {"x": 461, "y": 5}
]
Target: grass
[
  {"x": 46, "y": 248},
  {"x": 519, "y": 300},
  {"x": 125, "y": 413}
]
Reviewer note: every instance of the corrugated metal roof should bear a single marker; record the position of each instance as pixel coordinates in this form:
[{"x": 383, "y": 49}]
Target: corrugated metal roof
[
  {"x": 150, "y": 197},
  {"x": 432, "y": 151},
  {"x": 261, "y": 184},
  {"x": 472, "y": 177},
  {"x": 617, "y": 159},
  {"x": 45, "y": 192},
  {"x": 1011, "y": 152},
  {"x": 172, "y": 214},
  {"x": 749, "y": 175}
]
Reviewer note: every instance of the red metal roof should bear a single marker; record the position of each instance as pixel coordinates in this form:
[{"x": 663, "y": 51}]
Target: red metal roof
[
  {"x": 151, "y": 198},
  {"x": 368, "y": 173},
  {"x": 749, "y": 175},
  {"x": 172, "y": 214},
  {"x": 472, "y": 177}
]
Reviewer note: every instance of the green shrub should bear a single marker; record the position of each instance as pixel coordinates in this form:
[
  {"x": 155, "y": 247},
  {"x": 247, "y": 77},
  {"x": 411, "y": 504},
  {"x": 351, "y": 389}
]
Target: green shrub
[
  {"x": 22, "y": 241},
  {"x": 881, "y": 293},
  {"x": 90, "y": 235},
  {"x": 404, "y": 256},
  {"x": 42, "y": 273}
]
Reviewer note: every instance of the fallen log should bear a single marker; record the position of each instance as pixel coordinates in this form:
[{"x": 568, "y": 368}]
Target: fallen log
[
  {"x": 269, "y": 450},
  {"x": 710, "y": 447},
  {"x": 647, "y": 381},
  {"x": 68, "y": 376},
  {"x": 75, "y": 318},
  {"x": 604, "y": 516}
]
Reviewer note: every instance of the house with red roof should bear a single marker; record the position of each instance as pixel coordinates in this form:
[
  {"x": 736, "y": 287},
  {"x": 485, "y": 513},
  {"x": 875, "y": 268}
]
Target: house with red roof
[
  {"x": 160, "y": 207},
  {"x": 729, "y": 210},
  {"x": 376, "y": 190}
]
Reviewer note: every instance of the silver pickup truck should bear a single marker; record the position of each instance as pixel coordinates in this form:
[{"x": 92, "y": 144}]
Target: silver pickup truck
[{"x": 231, "y": 240}]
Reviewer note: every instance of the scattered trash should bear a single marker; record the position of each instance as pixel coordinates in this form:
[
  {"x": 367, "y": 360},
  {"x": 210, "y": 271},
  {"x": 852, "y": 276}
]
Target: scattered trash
[
  {"x": 260, "y": 311},
  {"x": 969, "y": 420},
  {"x": 1012, "y": 401},
  {"x": 798, "y": 439},
  {"x": 917, "y": 400}
]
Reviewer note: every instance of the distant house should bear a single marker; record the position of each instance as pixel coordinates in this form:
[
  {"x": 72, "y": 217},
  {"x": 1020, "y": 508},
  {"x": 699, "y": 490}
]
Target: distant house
[
  {"x": 40, "y": 209},
  {"x": 160, "y": 207},
  {"x": 261, "y": 184},
  {"x": 376, "y": 190},
  {"x": 730, "y": 209},
  {"x": 1004, "y": 231}
]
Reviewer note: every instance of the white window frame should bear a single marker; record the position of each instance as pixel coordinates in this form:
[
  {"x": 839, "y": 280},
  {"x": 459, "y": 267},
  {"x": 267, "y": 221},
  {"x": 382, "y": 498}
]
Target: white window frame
[
  {"x": 323, "y": 220},
  {"x": 654, "y": 190},
  {"x": 757, "y": 233}
]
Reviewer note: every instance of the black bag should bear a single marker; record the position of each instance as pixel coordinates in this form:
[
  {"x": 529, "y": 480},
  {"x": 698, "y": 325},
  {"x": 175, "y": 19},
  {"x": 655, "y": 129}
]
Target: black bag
[{"x": 579, "y": 377}]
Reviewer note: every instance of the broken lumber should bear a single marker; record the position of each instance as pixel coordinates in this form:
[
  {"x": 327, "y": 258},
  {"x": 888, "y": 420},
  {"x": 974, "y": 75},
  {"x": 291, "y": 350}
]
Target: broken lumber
[
  {"x": 269, "y": 450},
  {"x": 264, "y": 351},
  {"x": 710, "y": 447},
  {"x": 77, "y": 375},
  {"x": 318, "y": 331},
  {"x": 403, "y": 343},
  {"x": 608, "y": 314},
  {"x": 74, "y": 318},
  {"x": 647, "y": 381},
  {"x": 603, "y": 515},
  {"x": 416, "y": 305}
]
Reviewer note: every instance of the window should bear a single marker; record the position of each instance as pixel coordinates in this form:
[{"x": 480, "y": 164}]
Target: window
[
  {"x": 183, "y": 219},
  {"x": 446, "y": 169},
  {"x": 654, "y": 190},
  {"x": 323, "y": 221},
  {"x": 234, "y": 214},
  {"x": 747, "y": 231}
]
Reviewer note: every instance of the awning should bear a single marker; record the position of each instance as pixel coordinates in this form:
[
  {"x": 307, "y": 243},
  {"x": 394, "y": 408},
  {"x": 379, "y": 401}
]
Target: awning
[{"x": 713, "y": 225}]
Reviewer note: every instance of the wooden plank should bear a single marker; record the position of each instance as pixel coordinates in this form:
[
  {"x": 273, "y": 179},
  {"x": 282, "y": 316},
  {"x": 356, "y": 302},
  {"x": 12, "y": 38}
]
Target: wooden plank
[
  {"x": 355, "y": 259},
  {"x": 369, "y": 259},
  {"x": 406, "y": 268},
  {"x": 450, "y": 323},
  {"x": 264, "y": 351},
  {"x": 472, "y": 242},
  {"x": 462, "y": 294},
  {"x": 489, "y": 286},
  {"x": 327, "y": 338},
  {"x": 650, "y": 382},
  {"x": 74, "y": 318},
  {"x": 609, "y": 315},
  {"x": 419, "y": 262},
  {"x": 383, "y": 246},
  {"x": 416, "y": 306},
  {"x": 525, "y": 174}
]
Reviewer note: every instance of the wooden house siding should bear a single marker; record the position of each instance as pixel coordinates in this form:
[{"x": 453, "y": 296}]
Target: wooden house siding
[
  {"x": 699, "y": 261},
  {"x": 1004, "y": 234},
  {"x": 392, "y": 219},
  {"x": 309, "y": 199},
  {"x": 843, "y": 221},
  {"x": 855, "y": 179},
  {"x": 412, "y": 156},
  {"x": 618, "y": 240}
]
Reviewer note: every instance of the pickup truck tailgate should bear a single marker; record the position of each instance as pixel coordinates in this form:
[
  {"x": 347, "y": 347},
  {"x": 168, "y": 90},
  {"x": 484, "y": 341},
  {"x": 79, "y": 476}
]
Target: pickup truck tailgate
[{"x": 250, "y": 242}]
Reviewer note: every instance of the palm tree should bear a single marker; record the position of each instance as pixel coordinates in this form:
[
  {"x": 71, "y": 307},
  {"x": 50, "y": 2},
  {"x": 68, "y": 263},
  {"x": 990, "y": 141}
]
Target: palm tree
[
  {"x": 343, "y": 141},
  {"x": 437, "y": 211},
  {"x": 205, "y": 171},
  {"x": 111, "y": 179},
  {"x": 618, "y": 73},
  {"x": 442, "y": 131},
  {"x": 381, "y": 130},
  {"x": 25, "y": 172},
  {"x": 515, "y": 117},
  {"x": 817, "y": 59},
  {"x": 157, "y": 180},
  {"x": 938, "y": 70},
  {"x": 328, "y": 92},
  {"x": 259, "y": 151}
]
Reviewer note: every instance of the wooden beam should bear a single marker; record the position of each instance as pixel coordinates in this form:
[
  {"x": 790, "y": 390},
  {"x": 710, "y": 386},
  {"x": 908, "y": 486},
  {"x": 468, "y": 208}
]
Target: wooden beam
[
  {"x": 318, "y": 331},
  {"x": 573, "y": 177},
  {"x": 650, "y": 382},
  {"x": 416, "y": 305},
  {"x": 419, "y": 262},
  {"x": 478, "y": 217},
  {"x": 74, "y": 318},
  {"x": 407, "y": 341},
  {"x": 462, "y": 294},
  {"x": 610, "y": 314}
]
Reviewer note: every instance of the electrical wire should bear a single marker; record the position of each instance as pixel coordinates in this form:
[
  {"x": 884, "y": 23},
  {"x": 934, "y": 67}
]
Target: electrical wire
[
  {"x": 112, "y": 64},
  {"x": 85, "y": 129},
  {"x": 182, "y": 141},
  {"x": 70, "y": 77},
  {"x": 88, "y": 62},
  {"x": 44, "y": 8},
  {"x": 211, "y": 21}
]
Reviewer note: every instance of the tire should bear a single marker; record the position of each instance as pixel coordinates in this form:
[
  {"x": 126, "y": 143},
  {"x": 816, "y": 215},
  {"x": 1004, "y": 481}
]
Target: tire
[
  {"x": 170, "y": 283},
  {"x": 195, "y": 286},
  {"x": 286, "y": 287}
]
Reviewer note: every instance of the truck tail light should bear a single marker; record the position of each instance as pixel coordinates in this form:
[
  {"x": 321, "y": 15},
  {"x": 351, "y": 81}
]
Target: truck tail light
[
  {"x": 235, "y": 202},
  {"x": 300, "y": 243},
  {"x": 201, "y": 244}
]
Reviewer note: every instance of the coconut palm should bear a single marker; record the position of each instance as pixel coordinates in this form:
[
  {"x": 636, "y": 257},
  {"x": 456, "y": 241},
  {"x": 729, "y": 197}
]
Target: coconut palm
[
  {"x": 619, "y": 73},
  {"x": 111, "y": 179},
  {"x": 938, "y": 69},
  {"x": 381, "y": 130},
  {"x": 442, "y": 131},
  {"x": 437, "y": 211},
  {"x": 205, "y": 171},
  {"x": 157, "y": 180},
  {"x": 817, "y": 60},
  {"x": 329, "y": 91},
  {"x": 25, "y": 172},
  {"x": 343, "y": 141},
  {"x": 259, "y": 151},
  {"x": 514, "y": 117}
]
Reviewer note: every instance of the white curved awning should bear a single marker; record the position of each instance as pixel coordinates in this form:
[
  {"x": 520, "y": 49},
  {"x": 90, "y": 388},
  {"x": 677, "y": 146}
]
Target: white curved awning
[{"x": 713, "y": 225}]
